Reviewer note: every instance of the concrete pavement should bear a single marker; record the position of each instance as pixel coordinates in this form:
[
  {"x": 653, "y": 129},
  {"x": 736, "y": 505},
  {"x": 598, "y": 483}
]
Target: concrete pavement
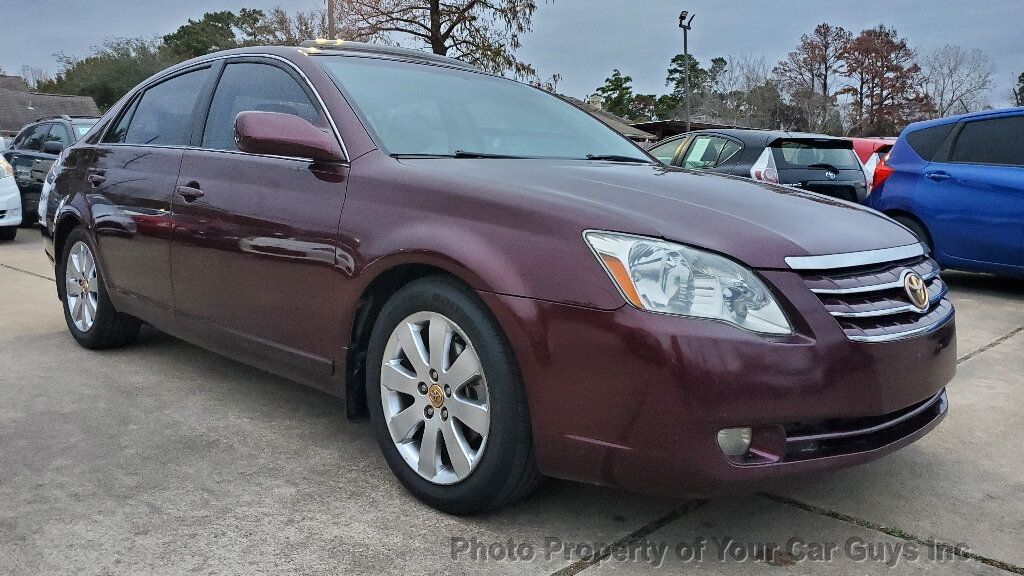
[{"x": 163, "y": 458}]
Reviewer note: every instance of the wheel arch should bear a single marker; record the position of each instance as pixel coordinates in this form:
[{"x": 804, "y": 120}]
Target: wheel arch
[
  {"x": 382, "y": 280},
  {"x": 907, "y": 214}
]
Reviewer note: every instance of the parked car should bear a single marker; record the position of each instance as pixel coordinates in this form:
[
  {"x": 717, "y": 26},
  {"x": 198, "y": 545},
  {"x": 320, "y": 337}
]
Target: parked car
[
  {"x": 958, "y": 184},
  {"x": 814, "y": 162},
  {"x": 35, "y": 148},
  {"x": 870, "y": 151},
  {"x": 10, "y": 203},
  {"x": 504, "y": 285}
]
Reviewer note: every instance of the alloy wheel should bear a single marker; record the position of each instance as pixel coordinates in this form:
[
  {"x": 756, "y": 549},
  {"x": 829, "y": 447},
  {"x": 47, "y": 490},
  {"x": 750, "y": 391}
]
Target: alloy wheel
[
  {"x": 81, "y": 286},
  {"x": 435, "y": 400}
]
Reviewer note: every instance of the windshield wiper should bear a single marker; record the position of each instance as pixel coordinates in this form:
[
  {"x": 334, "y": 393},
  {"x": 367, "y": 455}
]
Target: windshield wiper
[
  {"x": 616, "y": 158},
  {"x": 823, "y": 165},
  {"x": 468, "y": 154}
]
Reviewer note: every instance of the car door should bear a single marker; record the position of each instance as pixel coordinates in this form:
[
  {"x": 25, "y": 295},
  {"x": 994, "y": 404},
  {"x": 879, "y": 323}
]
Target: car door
[
  {"x": 24, "y": 159},
  {"x": 132, "y": 177},
  {"x": 976, "y": 192},
  {"x": 667, "y": 151},
  {"x": 253, "y": 253}
]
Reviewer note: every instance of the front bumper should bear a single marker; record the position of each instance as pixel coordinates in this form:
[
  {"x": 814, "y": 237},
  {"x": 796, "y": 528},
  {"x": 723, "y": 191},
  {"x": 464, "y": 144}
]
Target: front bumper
[
  {"x": 635, "y": 400},
  {"x": 11, "y": 212}
]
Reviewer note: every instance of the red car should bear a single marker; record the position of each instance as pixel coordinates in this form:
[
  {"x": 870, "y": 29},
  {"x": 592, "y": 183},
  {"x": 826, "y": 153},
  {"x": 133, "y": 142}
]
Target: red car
[
  {"x": 505, "y": 286},
  {"x": 871, "y": 151}
]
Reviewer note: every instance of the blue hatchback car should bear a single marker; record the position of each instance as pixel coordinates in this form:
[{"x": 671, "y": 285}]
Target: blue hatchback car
[{"x": 958, "y": 183}]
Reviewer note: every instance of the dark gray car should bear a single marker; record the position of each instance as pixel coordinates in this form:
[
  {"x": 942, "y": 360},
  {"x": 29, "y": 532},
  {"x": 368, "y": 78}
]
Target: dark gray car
[
  {"x": 35, "y": 149},
  {"x": 814, "y": 162}
]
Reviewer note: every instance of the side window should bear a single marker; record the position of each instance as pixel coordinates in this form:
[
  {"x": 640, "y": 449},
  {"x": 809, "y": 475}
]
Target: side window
[
  {"x": 926, "y": 142},
  {"x": 667, "y": 152},
  {"x": 996, "y": 141},
  {"x": 58, "y": 133},
  {"x": 704, "y": 152},
  {"x": 163, "y": 116},
  {"x": 254, "y": 87},
  {"x": 35, "y": 136},
  {"x": 729, "y": 150}
]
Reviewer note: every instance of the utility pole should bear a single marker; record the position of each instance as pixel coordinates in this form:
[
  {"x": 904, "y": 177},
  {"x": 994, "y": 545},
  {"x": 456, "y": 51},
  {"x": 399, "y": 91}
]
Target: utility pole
[
  {"x": 685, "y": 25},
  {"x": 332, "y": 24}
]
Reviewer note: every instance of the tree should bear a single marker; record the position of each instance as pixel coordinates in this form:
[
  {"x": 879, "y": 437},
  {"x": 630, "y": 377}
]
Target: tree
[
  {"x": 214, "y": 31},
  {"x": 885, "y": 91},
  {"x": 1018, "y": 91},
  {"x": 957, "y": 80},
  {"x": 485, "y": 33},
  {"x": 617, "y": 93},
  {"x": 33, "y": 75},
  {"x": 111, "y": 71},
  {"x": 810, "y": 73}
]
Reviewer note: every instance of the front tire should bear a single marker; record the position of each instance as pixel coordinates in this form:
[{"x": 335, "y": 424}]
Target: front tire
[
  {"x": 918, "y": 229},
  {"x": 90, "y": 316},
  {"x": 447, "y": 402},
  {"x": 8, "y": 233}
]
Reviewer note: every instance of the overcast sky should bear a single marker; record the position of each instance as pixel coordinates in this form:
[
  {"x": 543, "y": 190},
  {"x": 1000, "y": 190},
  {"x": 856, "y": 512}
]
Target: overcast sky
[{"x": 583, "y": 40}]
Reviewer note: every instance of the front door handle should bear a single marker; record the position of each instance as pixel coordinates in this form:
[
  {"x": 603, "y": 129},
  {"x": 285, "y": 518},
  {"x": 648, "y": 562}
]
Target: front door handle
[
  {"x": 938, "y": 176},
  {"x": 190, "y": 193}
]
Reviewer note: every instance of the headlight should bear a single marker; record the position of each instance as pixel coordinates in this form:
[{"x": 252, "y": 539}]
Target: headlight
[
  {"x": 5, "y": 168},
  {"x": 659, "y": 276}
]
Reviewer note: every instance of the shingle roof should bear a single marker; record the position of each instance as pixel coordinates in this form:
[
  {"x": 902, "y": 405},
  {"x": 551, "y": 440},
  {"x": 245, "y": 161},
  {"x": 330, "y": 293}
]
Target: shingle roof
[
  {"x": 21, "y": 107},
  {"x": 618, "y": 124},
  {"x": 13, "y": 83}
]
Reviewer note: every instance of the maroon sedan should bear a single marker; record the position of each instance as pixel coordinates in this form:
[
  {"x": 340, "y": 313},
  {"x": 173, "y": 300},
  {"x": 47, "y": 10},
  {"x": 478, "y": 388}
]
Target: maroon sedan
[{"x": 506, "y": 287}]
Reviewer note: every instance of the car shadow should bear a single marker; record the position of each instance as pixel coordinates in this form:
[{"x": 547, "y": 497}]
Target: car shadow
[{"x": 998, "y": 285}]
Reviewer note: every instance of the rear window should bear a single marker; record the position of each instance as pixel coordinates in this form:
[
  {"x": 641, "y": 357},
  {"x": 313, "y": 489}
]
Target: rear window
[
  {"x": 82, "y": 128},
  {"x": 795, "y": 154},
  {"x": 926, "y": 142},
  {"x": 996, "y": 141}
]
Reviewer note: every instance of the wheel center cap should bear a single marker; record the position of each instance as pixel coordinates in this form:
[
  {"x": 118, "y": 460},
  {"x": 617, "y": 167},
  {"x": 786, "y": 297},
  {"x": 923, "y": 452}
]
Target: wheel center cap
[
  {"x": 436, "y": 396},
  {"x": 85, "y": 285}
]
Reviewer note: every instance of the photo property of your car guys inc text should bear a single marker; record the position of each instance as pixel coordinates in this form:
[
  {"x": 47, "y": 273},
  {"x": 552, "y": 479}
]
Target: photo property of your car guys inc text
[{"x": 554, "y": 287}]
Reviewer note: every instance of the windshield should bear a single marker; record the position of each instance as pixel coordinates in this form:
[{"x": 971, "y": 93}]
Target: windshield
[
  {"x": 82, "y": 128},
  {"x": 811, "y": 154},
  {"x": 423, "y": 110}
]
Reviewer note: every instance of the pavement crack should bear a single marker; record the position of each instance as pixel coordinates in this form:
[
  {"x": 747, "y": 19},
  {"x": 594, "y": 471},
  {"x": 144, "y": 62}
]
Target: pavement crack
[
  {"x": 631, "y": 538},
  {"x": 9, "y": 267},
  {"x": 896, "y": 532},
  {"x": 991, "y": 344}
]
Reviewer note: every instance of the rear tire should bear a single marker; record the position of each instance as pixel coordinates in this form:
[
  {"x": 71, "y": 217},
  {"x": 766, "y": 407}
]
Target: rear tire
[
  {"x": 90, "y": 316},
  {"x": 8, "y": 233},
  {"x": 472, "y": 472}
]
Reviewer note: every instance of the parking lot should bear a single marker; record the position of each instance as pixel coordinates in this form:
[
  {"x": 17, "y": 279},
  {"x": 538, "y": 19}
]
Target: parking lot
[{"x": 163, "y": 458}]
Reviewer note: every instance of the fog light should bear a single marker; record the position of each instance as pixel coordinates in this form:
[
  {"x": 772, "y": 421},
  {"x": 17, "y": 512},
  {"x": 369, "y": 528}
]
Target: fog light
[{"x": 734, "y": 441}]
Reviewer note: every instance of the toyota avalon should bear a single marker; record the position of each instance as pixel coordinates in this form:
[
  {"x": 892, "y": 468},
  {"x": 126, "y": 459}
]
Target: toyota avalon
[{"x": 505, "y": 287}]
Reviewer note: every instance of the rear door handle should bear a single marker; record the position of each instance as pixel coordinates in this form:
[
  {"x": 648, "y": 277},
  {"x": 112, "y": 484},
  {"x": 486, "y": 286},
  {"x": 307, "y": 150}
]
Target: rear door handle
[
  {"x": 938, "y": 176},
  {"x": 190, "y": 193}
]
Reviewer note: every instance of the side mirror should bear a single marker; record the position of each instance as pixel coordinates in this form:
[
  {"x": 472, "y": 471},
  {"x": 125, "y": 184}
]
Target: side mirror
[
  {"x": 280, "y": 134},
  {"x": 53, "y": 147}
]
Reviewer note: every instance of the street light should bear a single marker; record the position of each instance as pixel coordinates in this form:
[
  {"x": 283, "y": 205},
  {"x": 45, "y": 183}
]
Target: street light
[{"x": 685, "y": 25}]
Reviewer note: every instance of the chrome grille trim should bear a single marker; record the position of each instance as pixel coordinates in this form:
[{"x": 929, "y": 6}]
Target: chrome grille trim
[
  {"x": 870, "y": 302},
  {"x": 873, "y": 288},
  {"x": 854, "y": 259}
]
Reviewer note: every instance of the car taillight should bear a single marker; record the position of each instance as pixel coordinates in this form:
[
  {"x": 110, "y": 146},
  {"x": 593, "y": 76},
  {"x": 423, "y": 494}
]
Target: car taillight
[
  {"x": 882, "y": 173},
  {"x": 764, "y": 168}
]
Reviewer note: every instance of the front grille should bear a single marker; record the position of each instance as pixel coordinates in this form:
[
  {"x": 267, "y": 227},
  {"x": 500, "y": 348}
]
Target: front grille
[
  {"x": 2, "y": 214},
  {"x": 871, "y": 304}
]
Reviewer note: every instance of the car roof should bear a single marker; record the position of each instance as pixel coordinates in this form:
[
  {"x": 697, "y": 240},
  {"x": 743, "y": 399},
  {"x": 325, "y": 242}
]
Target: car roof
[
  {"x": 754, "y": 137},
  {"x": 364, "y": 48},
  {"x": 1015, "y": 111}
]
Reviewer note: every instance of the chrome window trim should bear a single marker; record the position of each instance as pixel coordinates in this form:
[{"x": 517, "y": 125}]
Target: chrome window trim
[
  {"x": 852, "y": 259},
  {"x": 177, "y": 69}
]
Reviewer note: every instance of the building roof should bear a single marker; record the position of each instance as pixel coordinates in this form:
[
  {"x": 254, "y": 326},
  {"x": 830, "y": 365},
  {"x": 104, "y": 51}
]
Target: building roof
[
  {"x": 13, "y": 83},
  {"x": 618, "y": 124},
  {"x": 21, "y": 107}
]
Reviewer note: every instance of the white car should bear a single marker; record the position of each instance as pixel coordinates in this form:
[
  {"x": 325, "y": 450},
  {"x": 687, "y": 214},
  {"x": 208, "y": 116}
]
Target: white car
[{"x": 10, "y": 202}]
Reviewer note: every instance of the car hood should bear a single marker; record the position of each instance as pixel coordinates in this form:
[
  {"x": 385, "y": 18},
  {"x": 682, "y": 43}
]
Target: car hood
[{"x": 756, "y": 223}]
